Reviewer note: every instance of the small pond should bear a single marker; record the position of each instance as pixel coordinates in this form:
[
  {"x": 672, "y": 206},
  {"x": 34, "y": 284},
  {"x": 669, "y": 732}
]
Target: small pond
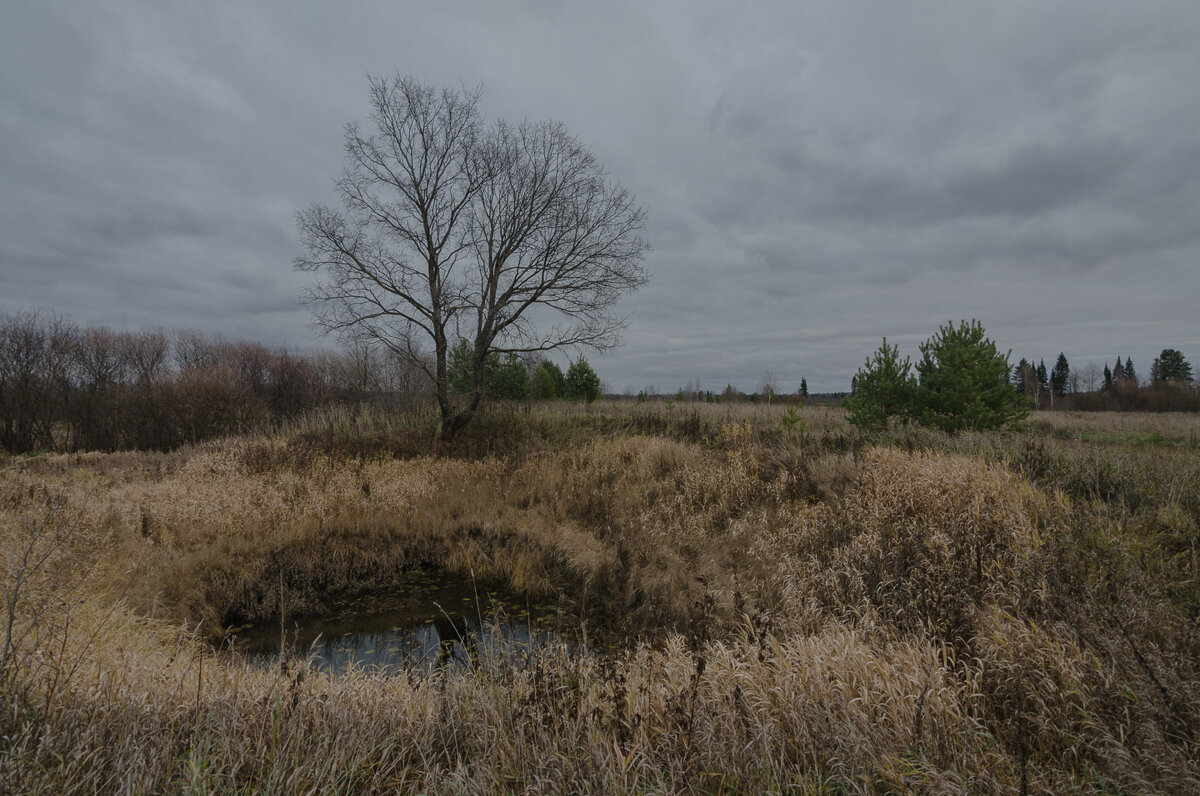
[{"x": 429, "y": 620}]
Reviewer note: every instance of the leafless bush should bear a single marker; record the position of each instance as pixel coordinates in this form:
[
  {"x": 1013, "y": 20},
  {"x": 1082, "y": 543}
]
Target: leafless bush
[
  {"x": 48, "y": 560},
  {"x": 65, "y": 388}
]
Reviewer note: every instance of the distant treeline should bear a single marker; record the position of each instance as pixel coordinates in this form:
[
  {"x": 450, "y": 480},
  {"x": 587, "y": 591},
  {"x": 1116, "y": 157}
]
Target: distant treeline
[
  {"x": 65, "y": 387},
  {"x": 1129, "y": 398},
  {"x": 1171, "y": 386},
  {"x": 767, "y": 392}
]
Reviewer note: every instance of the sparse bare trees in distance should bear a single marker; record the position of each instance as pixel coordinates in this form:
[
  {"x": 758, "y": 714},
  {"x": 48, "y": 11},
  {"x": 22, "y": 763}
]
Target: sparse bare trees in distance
[{"x": 63, "y": 387}]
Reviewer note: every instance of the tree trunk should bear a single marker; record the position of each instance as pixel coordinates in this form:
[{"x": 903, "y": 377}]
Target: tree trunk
[
  {"x": 450, "y": 426},
  {"x": 453, "y": 421}
]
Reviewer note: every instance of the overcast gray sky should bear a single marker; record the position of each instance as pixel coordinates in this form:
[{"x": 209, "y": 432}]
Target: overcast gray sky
[{"x": 817, "y": 174}]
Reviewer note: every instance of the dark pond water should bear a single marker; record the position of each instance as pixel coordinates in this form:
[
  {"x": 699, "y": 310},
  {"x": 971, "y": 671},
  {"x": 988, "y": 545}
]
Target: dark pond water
[{"x": 428, "y": 620}]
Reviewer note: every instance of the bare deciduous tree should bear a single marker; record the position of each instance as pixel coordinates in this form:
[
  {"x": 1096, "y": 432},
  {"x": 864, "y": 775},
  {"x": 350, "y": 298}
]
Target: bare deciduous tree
[
  {"x": 34, "y": 356},
  {"x": 146, "y": 353},
  {"x": 767, "y": 386},
  {"x": 509, "y": 236}
]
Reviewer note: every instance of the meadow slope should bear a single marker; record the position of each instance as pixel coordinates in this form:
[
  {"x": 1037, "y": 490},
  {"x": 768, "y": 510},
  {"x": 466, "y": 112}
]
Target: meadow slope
[{"x": 784, "y": 606}]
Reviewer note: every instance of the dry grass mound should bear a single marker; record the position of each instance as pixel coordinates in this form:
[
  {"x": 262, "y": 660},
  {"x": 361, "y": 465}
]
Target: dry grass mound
[{"x": 795, "y": 615}]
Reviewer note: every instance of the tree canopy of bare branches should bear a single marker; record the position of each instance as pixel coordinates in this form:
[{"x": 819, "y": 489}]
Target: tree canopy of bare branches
[{"x": 509, "y": 236}]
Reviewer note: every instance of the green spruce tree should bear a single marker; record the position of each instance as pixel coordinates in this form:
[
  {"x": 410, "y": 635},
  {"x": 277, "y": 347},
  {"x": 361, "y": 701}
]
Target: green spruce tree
[
  {"x": 460, "y": 365},
  {"x": 1130, "y": 374},
  {"x": 582, "y": 382},
  {"x": 961, "y": 382},
  {"x": 548, "y": 381},
  {"x": 1170, "y": 368},
  {"x": 884, "y": 388},
  {"x": 1060, "y": 376},
  {"x": 511, "y": 379},
  {"x": 1019, "y": 371}
]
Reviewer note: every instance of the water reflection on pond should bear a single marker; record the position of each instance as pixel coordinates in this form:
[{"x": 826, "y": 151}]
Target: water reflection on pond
[{"x": 428, "y": 620}]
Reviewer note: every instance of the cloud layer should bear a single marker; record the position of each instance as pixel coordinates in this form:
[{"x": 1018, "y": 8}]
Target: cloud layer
[{"x": 817, "y": 175}]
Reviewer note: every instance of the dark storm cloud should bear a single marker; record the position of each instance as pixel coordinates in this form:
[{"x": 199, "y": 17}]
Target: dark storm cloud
[{"x": 818, "y": 174}]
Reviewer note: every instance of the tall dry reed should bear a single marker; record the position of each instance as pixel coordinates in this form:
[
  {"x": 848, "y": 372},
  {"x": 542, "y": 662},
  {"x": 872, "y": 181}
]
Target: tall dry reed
[{"x": 800, "y": 610}]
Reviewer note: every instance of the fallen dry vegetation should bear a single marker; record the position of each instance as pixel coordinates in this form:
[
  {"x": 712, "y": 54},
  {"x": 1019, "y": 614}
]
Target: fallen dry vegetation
[{"x": 800, "y": 608}]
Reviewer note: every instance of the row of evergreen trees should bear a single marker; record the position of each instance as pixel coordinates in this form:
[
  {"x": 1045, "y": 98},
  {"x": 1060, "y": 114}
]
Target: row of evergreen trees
[
  {"x": 960, "y": 382},
  {"x": 963, "y": 382},
  {"x": 765, "y": 393},
  {"x": 1170, "y": 369},
  {"x": 512, "y": 378}
]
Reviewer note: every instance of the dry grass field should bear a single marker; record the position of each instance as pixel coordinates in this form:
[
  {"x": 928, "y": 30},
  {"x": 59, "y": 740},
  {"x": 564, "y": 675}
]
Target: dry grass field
[{"x": 786, "y": 606}]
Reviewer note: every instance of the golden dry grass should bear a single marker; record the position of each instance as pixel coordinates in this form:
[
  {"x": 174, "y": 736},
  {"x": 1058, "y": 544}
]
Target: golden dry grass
[
  {"x": 818, "y": 614},
  {"x": 1174, "y": 427}
]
